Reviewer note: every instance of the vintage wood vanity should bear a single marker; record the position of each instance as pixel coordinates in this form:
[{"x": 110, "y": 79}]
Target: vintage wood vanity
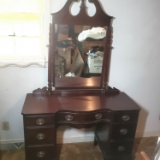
[{"x": 78, "y": 93}]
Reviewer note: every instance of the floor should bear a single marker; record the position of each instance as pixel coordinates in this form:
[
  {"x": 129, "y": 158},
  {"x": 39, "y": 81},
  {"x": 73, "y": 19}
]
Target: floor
[{"x": 84, "y": 151}]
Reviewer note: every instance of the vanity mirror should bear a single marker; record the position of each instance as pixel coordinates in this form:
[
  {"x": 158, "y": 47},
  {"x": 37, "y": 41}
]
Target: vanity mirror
[
  {"x": 80, "y": 48},
  {"x": 78, "y": 93},
  {"x": 79, "y": 51}
]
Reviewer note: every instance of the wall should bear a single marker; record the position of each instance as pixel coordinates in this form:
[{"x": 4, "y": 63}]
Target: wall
[
  {"x": 134, "y": 69},
  {"x": 135, "y": 61},
  {"x": 14, "y": 84}
]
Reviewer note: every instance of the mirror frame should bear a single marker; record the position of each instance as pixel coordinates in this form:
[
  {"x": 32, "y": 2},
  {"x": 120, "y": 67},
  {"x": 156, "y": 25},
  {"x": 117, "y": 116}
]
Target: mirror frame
[{"x": 72, "y": 84}]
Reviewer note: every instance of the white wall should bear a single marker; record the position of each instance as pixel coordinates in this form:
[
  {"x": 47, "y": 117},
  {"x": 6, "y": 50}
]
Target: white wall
[
  {"x": 135, "y": 69},
  {"x": 135, "y": 59},
  {"x": 14, "y": 84}
]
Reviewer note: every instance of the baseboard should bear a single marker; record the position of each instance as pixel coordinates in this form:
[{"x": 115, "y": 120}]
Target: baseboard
[
  {"x": 148, "y": 134},
  {"x": 11, "y": 145}
]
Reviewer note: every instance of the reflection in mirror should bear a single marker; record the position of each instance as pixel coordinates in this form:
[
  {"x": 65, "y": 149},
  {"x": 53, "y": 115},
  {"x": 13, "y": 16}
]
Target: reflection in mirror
[{"x": 79, "y": 51}]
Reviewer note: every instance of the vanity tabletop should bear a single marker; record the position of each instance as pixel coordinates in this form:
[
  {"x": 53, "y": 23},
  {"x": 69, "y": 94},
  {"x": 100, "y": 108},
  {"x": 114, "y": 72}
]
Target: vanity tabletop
[{"x": 49, "y": 104}]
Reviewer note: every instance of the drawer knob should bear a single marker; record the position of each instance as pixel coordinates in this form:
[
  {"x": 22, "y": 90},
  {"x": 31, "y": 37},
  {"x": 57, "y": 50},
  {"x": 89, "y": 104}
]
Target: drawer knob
[
  {"x": 40, "y": 154},
  {"x": 69, "y": 117},
  {"x": 121, "y": 148},
  {"x": 126, "y": 118},
  {"x": 40, "y": 136},
  {"x": 98, "y": 116},
  {"x": 40, "y": 121},
  {"x": 123, "y": 131}
]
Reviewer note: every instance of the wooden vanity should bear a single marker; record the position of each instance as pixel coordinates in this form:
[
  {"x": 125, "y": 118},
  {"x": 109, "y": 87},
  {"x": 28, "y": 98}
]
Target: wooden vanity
[{"x": 83, "y": 99}]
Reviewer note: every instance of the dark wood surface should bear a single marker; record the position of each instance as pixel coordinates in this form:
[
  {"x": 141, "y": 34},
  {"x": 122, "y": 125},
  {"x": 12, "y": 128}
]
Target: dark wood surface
[
  {"x": 64, "y": 16},
  {"x": 43, "y": 104},
  {"x": 78, "y": 82},
  {"x": 115, "y": 118}
]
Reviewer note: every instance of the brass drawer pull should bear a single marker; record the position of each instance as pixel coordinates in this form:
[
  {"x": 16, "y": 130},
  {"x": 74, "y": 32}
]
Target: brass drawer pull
[
  {"x": 40, "y": 121},
  {"x": 98, "y": 116},
  {"x": 69, "y": 117},
  {"x": 123, "y": 131},
  {"x": 40, "y": 154},
  {"x": 126, "y": 118},
  {"x": 121, "y": 148},
  {"x": 40, "y": 136}
]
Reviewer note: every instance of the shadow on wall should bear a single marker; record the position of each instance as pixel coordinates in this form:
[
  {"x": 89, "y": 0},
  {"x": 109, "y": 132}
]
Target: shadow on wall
[
  {"x": 0, "y": 144},
  {"x": 1, "y": 147},
  {"x": 141, "y": 122}
]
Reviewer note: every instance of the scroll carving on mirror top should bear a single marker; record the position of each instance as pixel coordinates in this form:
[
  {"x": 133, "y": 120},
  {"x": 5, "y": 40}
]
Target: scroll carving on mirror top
[{"x": 80, "y": 49}]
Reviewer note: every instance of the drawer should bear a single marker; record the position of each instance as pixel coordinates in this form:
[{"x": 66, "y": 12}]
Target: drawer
[
  {"x": 40, "y": 120},
  {"x": 121, "y": 147},
  {"x": 119, "y": 131},
  {"x": 41, "y": 153},
  {"x": 83, "y": 117},
  {"x": 37, "y": 136},
  {"x": 125, "y": 117}
]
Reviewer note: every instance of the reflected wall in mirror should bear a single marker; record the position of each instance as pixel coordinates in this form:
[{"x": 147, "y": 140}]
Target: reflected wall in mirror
[{"x": 79, "y": 50}]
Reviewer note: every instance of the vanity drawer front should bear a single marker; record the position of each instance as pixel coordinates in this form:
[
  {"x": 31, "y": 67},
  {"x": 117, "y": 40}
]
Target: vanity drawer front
[
  {"x": 41, "y": 120},
  {"x": 125, "y": 117},
  {"x": 84, "y": 117},
  {"x": 37, "y": 136},
  {"x": 40, "y": 153},
  {"x": 121, "y": 147},
  {"x": 123, "y": 131}
]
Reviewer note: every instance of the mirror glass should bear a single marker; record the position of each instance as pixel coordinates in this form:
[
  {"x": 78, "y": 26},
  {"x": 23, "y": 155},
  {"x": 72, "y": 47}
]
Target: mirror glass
[{"x": 79, "y": 51}]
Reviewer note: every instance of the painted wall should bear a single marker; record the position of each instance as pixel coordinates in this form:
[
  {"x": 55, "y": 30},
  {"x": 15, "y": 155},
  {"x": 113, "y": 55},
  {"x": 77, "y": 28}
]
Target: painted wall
[{"x": 135, "y": 69}]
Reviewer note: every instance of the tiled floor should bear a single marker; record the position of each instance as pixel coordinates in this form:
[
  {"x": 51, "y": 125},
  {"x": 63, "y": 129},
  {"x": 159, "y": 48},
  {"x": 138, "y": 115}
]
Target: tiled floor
[{"x": 84, "y": 151}]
